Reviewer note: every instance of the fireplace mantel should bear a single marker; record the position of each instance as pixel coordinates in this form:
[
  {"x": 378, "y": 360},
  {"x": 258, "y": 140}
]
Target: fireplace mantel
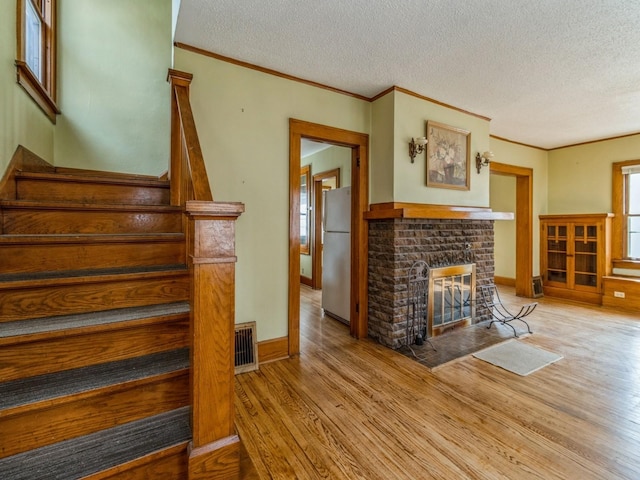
[{"x": 382, "y": 211}]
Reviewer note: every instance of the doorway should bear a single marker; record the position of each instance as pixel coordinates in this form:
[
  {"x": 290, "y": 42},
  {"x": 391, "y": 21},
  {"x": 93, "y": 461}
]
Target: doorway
[
  {"x": 322, "y": 182},
  {"x": 524, "y": 225},
  {"x": 358, "y": 143}
]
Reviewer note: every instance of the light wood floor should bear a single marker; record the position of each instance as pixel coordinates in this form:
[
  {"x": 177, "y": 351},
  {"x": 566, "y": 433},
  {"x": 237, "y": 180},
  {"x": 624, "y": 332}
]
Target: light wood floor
[{"x": 347, "y": 409}]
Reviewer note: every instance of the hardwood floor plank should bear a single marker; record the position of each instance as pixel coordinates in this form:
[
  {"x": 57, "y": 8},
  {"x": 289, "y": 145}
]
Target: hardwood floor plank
[{"x": 346, "y": 409}]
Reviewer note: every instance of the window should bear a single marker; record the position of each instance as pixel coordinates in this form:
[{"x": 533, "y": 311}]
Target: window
[
  {"x": 36, "y": 55},
  {"x": 626, "y": 206},
  {"x": 632, "y": 179}
]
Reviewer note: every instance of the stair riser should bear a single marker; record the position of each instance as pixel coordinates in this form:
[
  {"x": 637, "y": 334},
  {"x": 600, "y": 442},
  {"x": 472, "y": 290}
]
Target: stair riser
[
  {"x": 65, "y": 222},
  {"x": 52, "y": 257},
  {"x": 65, "y": 353},
  {"x": 60, "y": 190},
  {"x": 168, "y": 464},
  {"x": 52, "y": 299},
  {"x": 88, "y": 413}
]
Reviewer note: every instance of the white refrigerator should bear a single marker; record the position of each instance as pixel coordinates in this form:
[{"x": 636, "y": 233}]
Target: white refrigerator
[{"x": 336, "y": 254}]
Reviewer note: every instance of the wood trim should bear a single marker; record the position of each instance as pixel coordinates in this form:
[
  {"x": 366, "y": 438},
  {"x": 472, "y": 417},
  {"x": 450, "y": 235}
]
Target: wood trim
[
  {"x": 22, "y": 160},
  {"x": 519, "y": 143},
  {"x": 359, "y": 143},
  {"x": 220, "y": 459},
  {"x": 272, "y": 350},
  {"x": 617, "y": 137},
  {"x": 43, "y": 93},
  {"x": 268, "y": 71},
  {"x": 306, "y": 170},
  {"x": 431, "y": 100},
  {"x": 28, "y": 81},
  {"x": 629, "y": 264},
  {"x": 629, "y": 286},
  {"x": 176, "y": 168},
  {"x": 194, "y": 157},
  {"x": 576, "y": 218},
  {"x": 509, "y": 282},
  {"x": 588, "y": 142},
  {"x": 524, "y": 224},
  {"x": 618, "y": 225},
  {"x": 214, "y": 450},
  {"x": 306, "y": 281},
  {"x": 388, "y": 210}
]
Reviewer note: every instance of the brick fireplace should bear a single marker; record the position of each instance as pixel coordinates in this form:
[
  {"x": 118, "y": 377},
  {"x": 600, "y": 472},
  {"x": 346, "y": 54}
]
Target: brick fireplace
[{"x": 401, "y": 234}]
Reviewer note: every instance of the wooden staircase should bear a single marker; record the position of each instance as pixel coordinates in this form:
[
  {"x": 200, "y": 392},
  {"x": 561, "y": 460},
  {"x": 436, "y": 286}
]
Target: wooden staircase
[
  {"x": 117, "y": 319},
  {"x": 94, "y": 324}
]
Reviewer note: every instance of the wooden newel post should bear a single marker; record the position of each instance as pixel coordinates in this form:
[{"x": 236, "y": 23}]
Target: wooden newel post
[{"x": 215, "y": 447}]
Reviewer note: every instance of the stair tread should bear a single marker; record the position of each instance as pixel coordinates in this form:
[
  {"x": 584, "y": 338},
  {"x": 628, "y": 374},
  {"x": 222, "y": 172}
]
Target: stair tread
[
  {"x": 49, "y": 386},
  {"x": 88, "y": 238},
  {"x": 87, "y": 206},
  {"x": 82, "y": 456},
  {"x": 97, "y": 177},
  {"x": 82, "y": 320},
  {"x": 12, "y": 280}
]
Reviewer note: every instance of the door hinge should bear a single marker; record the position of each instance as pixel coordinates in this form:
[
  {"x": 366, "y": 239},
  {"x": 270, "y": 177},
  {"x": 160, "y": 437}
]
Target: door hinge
[
  {"x": 357, "y": 308},
  {"x": 357, "y": 161}
]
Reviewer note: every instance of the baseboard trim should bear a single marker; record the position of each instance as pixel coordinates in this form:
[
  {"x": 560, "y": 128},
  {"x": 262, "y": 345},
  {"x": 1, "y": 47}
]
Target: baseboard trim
[
  {"x": 272, "y": 350},
  {"x": 509, "y": 282},
  {"x": 306, "y": 281}
]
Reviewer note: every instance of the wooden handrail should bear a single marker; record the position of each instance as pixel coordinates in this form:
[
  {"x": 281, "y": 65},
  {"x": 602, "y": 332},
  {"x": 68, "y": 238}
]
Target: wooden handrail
[
  {"x": 214, "y": 451},
  {"x": 186, "y": 154}
]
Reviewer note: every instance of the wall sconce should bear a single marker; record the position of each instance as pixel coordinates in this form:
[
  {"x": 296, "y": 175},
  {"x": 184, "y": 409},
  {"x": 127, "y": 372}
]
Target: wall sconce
[
  {"x": 483, "y": 160},
  {"x": 416, "y": 147}
]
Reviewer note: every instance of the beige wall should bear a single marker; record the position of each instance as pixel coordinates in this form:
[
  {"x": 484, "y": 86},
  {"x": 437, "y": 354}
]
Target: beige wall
[
  {"x": 113, "y": 58},
  {"x": 21, "y": 120},
  {"x": 409, "y": 182},
  {"x": 580, "y": 176},
  {"x": 382, "y": 149},
  {"x": 503, "y": 199},
  {"x": 243, "y": 123},
  {"x": 528, "y": 157},
  {"x": 322, "y": 161}
]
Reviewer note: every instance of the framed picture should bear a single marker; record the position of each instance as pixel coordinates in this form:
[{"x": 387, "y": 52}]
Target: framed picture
[{"x": 447, "y": 156}]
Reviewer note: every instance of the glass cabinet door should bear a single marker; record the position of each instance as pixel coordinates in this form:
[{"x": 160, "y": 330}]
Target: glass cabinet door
[
  {"x": 585, "y": 243},
  {"x": 557, "y": 253}
]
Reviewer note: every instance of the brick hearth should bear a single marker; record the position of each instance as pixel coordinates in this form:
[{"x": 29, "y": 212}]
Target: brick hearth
[{"x": 395, "y": 243}]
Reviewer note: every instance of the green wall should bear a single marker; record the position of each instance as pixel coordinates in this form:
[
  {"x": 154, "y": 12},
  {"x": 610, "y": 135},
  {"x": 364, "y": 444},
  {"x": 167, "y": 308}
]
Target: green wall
[
  {"x": 382, "y": 149},
  {"x": 409, "y": 179},
  {"x": 503, "y": 199},
  {"x": 243, "y": 124},
  {"x": 21, "y": 120},
  {"x": 520, "y": 156},
  {"x": 580, "y": 176},
  {"x": 113, "y": 58}
]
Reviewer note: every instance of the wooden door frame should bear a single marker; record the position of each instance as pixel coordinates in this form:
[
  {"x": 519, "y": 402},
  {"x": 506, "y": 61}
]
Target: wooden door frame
[
  {"x": 316, "y": 258},
  {"x": 524, "y": 224},
  {"x": 359, "y": 144}
]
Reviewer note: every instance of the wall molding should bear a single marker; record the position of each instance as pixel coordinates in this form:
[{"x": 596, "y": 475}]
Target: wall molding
[{"x": 273, "y": 349}]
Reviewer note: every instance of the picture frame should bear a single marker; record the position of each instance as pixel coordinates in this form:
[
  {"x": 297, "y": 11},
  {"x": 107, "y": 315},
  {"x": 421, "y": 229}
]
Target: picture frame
[{"x": 448, "y": 156}]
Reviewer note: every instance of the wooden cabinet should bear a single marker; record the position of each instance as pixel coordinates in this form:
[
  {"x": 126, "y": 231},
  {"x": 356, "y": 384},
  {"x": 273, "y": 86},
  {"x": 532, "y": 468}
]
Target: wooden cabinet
[{"x": 575, "y": 255}]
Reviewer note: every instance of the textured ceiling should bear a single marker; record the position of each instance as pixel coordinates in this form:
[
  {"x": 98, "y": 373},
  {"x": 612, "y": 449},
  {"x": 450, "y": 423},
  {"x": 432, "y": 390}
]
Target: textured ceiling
[{"x": 547, "y": 72}]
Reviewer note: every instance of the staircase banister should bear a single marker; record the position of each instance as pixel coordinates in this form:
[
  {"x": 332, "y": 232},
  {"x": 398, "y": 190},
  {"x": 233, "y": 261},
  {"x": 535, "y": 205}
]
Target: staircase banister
[
  {"x": 185, "y": 141},
  {"x": 214, "y": 450}
]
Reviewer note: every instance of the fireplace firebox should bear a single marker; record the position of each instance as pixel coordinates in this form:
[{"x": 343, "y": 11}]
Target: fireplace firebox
[{"x": 451, "y": 298}]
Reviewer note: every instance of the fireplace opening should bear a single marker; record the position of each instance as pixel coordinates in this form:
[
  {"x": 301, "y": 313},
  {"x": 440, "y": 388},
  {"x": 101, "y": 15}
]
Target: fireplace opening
[{"x": 451, "y": 298}]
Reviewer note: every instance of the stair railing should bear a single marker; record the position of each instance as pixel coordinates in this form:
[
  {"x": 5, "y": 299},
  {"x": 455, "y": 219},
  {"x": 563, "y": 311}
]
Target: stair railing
[{"x": 214, "y": 451}]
